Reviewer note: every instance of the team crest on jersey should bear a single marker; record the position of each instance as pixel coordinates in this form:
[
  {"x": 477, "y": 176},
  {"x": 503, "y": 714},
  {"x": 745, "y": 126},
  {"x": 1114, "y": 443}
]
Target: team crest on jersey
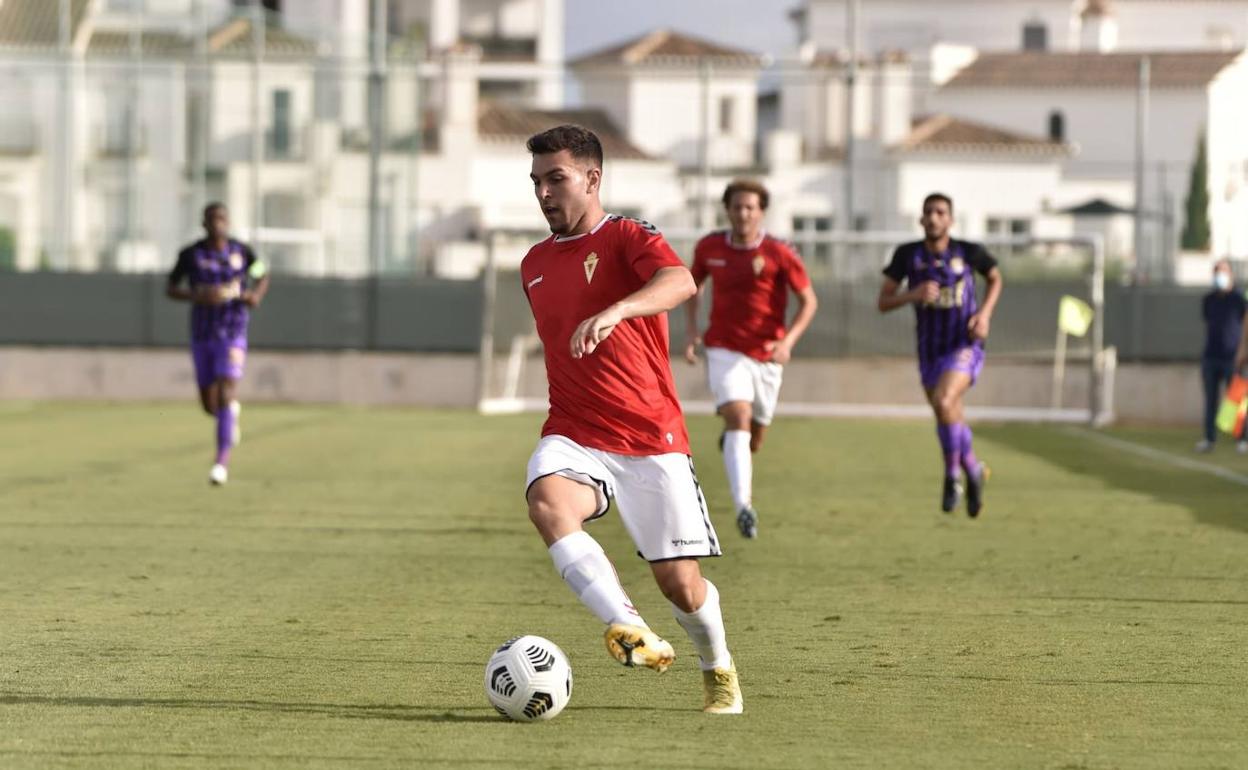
[
  {"x": 236, "y": 261},
  {"x": 591, "y": 264},
  {"x": 957, "y": 266},
  {"x": 758, "y": 264}
]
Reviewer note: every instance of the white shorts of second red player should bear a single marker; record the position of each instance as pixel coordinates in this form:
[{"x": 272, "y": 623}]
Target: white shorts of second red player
[
  {"x": 658, "y": 496},
  {"x": 735, "y": 376}
]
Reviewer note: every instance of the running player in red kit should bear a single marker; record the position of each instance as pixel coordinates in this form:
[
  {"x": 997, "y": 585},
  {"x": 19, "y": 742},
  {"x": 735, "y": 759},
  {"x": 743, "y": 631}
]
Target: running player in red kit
[
  {"x": 747, "y": 342},
  {"x": 599, "y": 289}
]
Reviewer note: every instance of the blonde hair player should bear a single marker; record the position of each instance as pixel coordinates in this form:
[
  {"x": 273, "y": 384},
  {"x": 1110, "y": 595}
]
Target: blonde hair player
[{"x": 599, "y": 288}]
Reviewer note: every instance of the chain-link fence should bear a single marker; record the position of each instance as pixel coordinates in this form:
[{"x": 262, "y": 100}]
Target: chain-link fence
[{"x": 374, "y": 142}]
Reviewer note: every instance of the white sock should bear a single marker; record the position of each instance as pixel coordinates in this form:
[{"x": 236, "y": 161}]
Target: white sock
[
  {"x": 706, "y": 630},
  {"x": 589, "y": 573},
  {"x": 740, "y": 466}
]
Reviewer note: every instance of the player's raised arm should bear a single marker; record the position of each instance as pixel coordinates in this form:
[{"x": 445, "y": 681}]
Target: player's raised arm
[{"x": 669, "y": 287}]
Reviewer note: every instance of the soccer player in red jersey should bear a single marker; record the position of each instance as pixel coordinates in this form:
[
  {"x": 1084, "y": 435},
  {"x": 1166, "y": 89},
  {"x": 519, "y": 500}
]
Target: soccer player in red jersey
[
  {"x": 747, "y": 342},
  {"x": 599, "y": 289}
]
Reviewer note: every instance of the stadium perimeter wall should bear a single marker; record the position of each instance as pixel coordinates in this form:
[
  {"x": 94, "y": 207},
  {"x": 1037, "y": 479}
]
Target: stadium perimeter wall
[
  {"x": 1154, "y": 324},
  {"x": 1144, "y": 392}
]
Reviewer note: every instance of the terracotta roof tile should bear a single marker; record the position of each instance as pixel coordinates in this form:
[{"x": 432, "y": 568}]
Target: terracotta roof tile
[
  {"x": 36, "y": 23},
  {"x": 1168, "y": 69},
  {"x": 665, "y": 47},
  {"x": 945, "y": 133},
  {"x": 235, "y": 36},
  {"x": 114, "y": 43},
  {"x": 497, "y": 122}
]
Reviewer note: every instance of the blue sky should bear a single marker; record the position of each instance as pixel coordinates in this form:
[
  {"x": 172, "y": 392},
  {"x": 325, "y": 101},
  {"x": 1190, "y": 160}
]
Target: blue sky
[{"x": 761, "y": 26}]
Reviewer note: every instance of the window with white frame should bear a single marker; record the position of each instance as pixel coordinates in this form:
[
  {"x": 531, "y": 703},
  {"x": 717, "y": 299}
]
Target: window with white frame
[
  {"x": 727, "y": 114},
  {"x": 1012, "y": 227},
  {"x": 811, "y": 235}
]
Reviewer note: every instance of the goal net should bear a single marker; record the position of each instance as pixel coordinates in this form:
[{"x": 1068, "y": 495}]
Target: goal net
[{"x": 853, "y": 360}]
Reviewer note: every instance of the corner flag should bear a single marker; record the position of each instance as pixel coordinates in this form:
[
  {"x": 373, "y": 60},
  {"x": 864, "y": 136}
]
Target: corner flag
[{"x": 1074, "y": 316}]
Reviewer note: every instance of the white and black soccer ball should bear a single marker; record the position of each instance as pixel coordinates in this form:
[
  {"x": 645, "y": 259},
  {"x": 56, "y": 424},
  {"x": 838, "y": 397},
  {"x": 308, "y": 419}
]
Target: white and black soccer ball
[{"x": 528, "y": 679}]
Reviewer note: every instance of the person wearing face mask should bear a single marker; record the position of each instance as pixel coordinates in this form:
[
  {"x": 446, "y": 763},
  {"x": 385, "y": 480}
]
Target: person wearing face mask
[{"x": 1223, "y": 311}]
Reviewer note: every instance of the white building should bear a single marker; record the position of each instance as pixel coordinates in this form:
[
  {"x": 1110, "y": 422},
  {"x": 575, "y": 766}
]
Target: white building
[
  {"x": 659, "y": 88},
  {"x": 114, "y": 136},
  {"x": 915, "y": 26},
  {"x": 667, "y": 90},
  {"x": 1090, "y": 98},
  {"x": 1069, "y": 70}
]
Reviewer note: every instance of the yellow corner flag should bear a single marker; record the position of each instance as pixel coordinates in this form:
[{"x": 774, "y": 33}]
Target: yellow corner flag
[{"x": 1074, "y": 316}]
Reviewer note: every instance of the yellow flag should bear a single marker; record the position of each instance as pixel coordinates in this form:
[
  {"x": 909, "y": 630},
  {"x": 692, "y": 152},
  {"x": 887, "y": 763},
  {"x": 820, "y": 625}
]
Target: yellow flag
[{"x": 1074, "y": 316}]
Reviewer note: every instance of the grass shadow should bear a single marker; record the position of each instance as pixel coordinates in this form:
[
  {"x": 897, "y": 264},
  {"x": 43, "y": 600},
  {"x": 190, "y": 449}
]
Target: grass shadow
[
  {"x": 1210, "y": 499},
  {"x": 396, "y": 712}
]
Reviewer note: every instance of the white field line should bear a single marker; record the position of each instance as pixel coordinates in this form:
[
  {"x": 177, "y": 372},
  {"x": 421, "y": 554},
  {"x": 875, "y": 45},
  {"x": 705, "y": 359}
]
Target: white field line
[
  {"x": 885, "y": 411},
  {"x": 1168, "y": 458}
]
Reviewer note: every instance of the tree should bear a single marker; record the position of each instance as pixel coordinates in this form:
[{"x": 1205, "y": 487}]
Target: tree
[
  {"x": 8, "y": 250},
  {"x": 1196, "y": 206}
]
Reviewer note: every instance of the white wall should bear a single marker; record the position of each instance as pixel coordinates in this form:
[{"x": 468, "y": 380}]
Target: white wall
[
  {"x": 911, "y": 25},
  {"x": 1077, "y": 190},
  {"x": 160, "y": 186},
  {"x": 1228, "y": 161},
  {"x": 21, "y": 211},
  {"x": 1148, "y": 24},
  {"x": 808, "y": 190},
  {"x": 230, "y": 110},
  {"x": 980, "y": 189},
  {"x": 650, "y": 188},
  {"x": 663, "y": 114},
  {"x": 1100, "y": 121},
  {"x": 993, "y": 25},
  {"x": 1116, "y": 232},
  {"x": 812, "y": 104}
]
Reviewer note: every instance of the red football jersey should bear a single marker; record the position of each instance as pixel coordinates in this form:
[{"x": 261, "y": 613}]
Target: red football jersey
[
  {"x": 621, "y": 398},
  {"x": 749, "y": 291}
]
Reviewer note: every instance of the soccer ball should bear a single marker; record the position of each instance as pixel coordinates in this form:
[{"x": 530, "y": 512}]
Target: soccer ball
[{"x": 528, "y": 679}]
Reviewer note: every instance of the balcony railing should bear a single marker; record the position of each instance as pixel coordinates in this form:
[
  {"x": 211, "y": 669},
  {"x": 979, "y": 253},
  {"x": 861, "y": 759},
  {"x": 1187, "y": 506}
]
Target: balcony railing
[{"x": 523, "y": 49}]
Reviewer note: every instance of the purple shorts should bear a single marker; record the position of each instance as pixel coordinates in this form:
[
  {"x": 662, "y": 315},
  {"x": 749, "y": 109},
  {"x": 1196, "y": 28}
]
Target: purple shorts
[
  {"x": 969, "y": 359},
  {"x": 218, "y": 360}
]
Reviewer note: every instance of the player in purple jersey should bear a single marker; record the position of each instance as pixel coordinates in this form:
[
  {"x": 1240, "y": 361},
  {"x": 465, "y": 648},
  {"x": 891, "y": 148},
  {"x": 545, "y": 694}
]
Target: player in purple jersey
[
  {"x": 224, "y": 281},
  {"x": 950, "y": 326}
]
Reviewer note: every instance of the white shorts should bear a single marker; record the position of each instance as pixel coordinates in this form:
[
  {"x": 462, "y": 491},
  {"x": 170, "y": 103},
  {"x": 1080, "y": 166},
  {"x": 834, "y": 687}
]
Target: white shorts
[
  {"x": 735, "y": 376},
  {"x": 660, "y": 502}
]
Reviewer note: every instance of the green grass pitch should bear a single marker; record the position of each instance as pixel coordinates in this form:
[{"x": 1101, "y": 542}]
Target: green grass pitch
[{"x": 334, "y": 606}]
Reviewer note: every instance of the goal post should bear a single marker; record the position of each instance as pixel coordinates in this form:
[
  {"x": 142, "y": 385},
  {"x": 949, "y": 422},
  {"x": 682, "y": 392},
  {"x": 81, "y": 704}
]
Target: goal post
[{"x": 854, "y": 361}]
